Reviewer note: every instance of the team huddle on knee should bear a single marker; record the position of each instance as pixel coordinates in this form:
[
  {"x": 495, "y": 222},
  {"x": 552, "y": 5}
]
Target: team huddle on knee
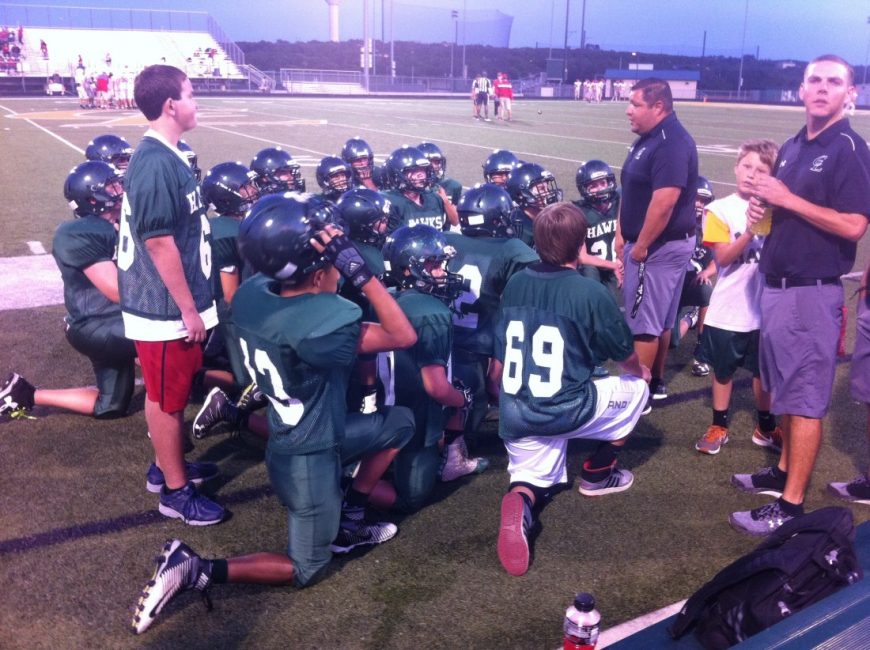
[{"x": 365, "y": 332}]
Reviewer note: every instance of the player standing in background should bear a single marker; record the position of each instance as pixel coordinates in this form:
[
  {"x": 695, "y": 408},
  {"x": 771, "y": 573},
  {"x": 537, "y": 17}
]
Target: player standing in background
[
  {"x": 553, "y": 326},
  {"x": 820, "y": 195},
  {"x": 164, "y": 277}
]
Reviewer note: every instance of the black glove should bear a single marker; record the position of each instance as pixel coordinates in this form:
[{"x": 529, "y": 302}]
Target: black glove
[{"x": 344, "y": 256}]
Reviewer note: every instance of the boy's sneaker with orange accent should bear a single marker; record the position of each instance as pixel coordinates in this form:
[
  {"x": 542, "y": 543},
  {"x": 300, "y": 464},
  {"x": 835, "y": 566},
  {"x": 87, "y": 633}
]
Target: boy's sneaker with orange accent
[
  {"x": 772, "y": 439},
  {"x": 711, "y": 442}
]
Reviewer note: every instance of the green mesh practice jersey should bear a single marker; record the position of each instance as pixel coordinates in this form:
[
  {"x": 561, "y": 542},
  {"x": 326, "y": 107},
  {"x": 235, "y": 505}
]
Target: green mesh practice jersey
[
  {"x": 400, "y": 370},
  {"x": 553, "y": 325},
  {"x": 300, "y": 351},
  {"x": 452, "y": 188},
  {"x": 162, "y": 198},
  {"x": 601, "y": 233},
  {"x": 524, "y": 226},
  {"x": 404, "y": 212},
  {"x": 487, "y": 263},
  {"x": 77, "y": 245}
]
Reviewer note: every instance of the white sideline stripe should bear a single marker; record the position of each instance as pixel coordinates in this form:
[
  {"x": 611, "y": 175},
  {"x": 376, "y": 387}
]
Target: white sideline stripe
[
  {"x": 36, "y": 247},
  {"x": 259, "y": 139},
  {"x": 623, "y": 630},
  {"x": 42, "y": 128},
  {"x": 29, "y": 281}
]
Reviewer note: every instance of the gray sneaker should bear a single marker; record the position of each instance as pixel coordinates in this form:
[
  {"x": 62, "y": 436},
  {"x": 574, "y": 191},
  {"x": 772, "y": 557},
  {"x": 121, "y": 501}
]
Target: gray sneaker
[
  {"x": 764, "y": 481},
  {"x": 857, "y": 490},
  {"x": 759, "y": 521},
  {"x": 618, "y": 480}
]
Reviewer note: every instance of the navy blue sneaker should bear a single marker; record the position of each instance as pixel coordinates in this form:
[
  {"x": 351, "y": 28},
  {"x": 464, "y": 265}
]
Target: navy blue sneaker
[
  {"x": 197, "y": 473},
  {"x": 190, "y": 506}
]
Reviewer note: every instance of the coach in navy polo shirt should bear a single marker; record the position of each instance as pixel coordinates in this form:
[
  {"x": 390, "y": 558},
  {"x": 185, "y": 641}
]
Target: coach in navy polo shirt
[
  {"x": 821, "y": 203},
  {"x": 656, "y": 222}
]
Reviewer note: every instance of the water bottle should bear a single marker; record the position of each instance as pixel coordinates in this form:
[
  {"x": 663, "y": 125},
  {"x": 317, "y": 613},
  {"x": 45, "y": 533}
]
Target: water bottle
[{"x": 581, "y": 623}]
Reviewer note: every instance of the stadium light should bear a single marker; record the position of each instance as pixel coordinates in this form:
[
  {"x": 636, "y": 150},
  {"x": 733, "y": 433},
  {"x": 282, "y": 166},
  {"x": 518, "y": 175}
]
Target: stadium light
[
  {"x": 742, "y": 49},
  {"x": 866, "y": 57}
]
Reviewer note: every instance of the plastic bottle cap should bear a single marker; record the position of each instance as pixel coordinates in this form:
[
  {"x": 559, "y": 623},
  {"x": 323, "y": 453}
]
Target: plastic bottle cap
[{"x": 584, "y": 602}]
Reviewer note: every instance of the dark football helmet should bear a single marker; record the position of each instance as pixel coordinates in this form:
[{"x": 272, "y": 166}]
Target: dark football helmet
[
  {"x": 274, "y": 236},
  {"x": 93, "y": 187},
  {"x": 498, "y": 166},
  {"x": 333, "y": 176},
  {"x": 590, "y": 172},
  {"x": 412, "y": 249},
  {"x": 277, "y": 171},
  {"x": 379, "y": 176},
  {"x": 362, "y": 212},
  {"x": 231, "y": 188},
  {"x": 356, "y": 150},
  {"x": 485, "y": 211},
  {"x": 404, "y": 161},
  {"x": 192, "y": 158},
  {"x": 436, "y": 158},
  {"x": 705, "y": 190},
  {"x": 111, "y": 149},
  {"x": 530, "y": 185}
]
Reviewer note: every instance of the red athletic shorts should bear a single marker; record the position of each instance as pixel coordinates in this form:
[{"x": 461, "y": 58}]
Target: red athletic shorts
[{"x": 168, "y": 368}]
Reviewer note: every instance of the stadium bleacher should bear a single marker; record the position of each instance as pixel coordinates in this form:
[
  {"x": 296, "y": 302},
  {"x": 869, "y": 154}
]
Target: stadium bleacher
[{"x": 127, "y": 47}]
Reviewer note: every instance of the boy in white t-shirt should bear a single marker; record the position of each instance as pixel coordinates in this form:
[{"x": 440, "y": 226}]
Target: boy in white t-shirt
[{"x": 731, "y": 330}]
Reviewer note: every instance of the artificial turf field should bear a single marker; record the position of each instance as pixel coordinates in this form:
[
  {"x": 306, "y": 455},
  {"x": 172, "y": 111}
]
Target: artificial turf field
[{"x": 78, "y": 531}]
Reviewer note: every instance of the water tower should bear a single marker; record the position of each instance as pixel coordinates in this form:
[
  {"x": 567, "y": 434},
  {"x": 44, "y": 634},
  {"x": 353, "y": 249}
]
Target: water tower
[{"x": 333, "y": 19}]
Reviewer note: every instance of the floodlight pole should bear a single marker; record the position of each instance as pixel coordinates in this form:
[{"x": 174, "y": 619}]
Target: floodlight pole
[
  {"x": 464, "y": 39},
  {"x": 565, "y": 65},
  {"x": 866, "y": 56},
  {"x": 366, "y": 45},
  {"x": 742, "y": 49}
]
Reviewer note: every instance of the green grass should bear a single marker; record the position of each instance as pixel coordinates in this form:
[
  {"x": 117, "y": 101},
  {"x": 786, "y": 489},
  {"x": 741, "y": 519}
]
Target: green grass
[{"x": 439, "y": 583}]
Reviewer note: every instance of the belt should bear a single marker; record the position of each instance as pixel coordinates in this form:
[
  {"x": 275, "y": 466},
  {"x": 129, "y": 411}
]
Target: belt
[
  {"x": 663, "y": 239},
  {"x": 787, "y": 283}
]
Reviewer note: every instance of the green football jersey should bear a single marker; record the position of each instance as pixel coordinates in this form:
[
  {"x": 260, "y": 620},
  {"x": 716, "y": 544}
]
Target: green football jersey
[
  {"x": 452, "y": 188},
  {"x": 162, "y": 198},
  {"x": 77, "y": 245},
  {"x": 524, "y": 226},
  {"x": 487, "y": 263},
  {"x": 300, "y": 351},
  {"x": 404, "y": 212},
  {"x": 400, "y": 370},
  {"x": 601, "y": 231},
  {"x": 553, "y": 326},
  {"x": 225, "y": 255}
]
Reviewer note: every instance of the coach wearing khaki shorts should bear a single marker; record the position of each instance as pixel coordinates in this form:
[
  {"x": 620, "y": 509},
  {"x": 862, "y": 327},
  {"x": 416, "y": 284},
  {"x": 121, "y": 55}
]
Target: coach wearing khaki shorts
[
  {"x": 820, "y": 195},
  {"x": 656, "y": 222}
]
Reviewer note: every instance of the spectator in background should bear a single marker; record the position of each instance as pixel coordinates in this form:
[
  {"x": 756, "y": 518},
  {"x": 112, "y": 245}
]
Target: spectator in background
[
  {"x": 108, "y": 60},
  {"x": 20, "y": 35},
  {"x": 43, "y": 47}
]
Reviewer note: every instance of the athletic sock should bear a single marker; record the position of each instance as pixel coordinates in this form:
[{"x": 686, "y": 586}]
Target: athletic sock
[
  {"x": 720, "y": 418},
  {"x": 766, "y": 421},
  {"x": 355, "y": 498},
  {"x": 219, "y": 571},
  {"x": 596, "y": 474},
  {"x": 451, "y": 436},
  {"x": 604, "y": 455},
  {"x": 791, "y": 509}
]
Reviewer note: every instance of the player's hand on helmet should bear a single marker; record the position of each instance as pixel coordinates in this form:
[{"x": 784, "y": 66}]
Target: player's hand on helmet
[{"x": 339, "y": 251}]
